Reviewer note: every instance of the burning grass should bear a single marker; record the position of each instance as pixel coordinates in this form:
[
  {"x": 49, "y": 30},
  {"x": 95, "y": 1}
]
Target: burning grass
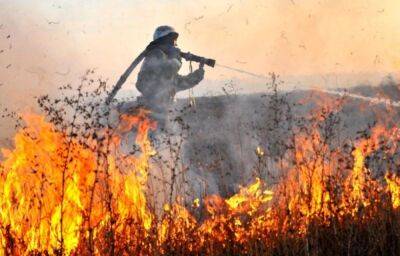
[{"x": 70, "y": 190}]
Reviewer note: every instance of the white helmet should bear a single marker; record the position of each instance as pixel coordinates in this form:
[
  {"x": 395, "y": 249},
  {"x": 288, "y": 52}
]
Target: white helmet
[{"x": 162, "y": 31}]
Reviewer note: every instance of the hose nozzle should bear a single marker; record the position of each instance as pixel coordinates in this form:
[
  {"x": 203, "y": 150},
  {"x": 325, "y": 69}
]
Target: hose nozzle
[{"x": 191, "y": 57}]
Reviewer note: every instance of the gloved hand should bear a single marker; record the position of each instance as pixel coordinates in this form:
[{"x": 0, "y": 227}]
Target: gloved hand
[
  {"x": 198, "y": 74},
  {"x": 190, "y": 80}
]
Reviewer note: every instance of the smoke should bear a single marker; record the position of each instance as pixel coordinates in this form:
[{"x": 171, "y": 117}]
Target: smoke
[{"x": 225, "y": 131}]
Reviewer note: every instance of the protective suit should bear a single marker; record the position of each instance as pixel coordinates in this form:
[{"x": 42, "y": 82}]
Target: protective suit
[{"x": 159, "y": 81}]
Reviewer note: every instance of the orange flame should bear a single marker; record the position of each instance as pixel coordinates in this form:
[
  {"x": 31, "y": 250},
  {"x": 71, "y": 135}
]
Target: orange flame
[
  {"x": 38, "y": 212},
  {"x": 57, "y": 194}
]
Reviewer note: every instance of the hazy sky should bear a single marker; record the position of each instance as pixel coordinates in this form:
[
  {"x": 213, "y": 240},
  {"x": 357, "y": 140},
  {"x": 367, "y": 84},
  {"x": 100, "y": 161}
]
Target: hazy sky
[{"x": 52, "y": 42}]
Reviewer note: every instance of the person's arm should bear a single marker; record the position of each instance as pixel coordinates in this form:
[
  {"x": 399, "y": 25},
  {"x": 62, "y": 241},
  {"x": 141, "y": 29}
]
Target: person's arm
[{"x": 190, "y": 80}]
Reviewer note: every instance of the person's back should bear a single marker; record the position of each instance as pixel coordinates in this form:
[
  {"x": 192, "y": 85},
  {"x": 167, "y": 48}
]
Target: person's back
[{"x": 158, "y": 80}]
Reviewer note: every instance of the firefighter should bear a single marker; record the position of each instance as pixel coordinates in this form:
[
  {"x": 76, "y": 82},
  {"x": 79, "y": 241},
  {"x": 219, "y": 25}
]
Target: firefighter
[{"x": 158, "y": 80}]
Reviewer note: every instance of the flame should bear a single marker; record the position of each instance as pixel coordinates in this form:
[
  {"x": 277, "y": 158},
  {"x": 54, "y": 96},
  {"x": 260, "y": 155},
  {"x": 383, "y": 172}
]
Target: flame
[
  {"x": 259, "y": 151},
  {"x": 394, "y": 188},
  {"x": 60, "y": 196},
  {"x": 36, "y": 209},
  {"x": 252, "y": 195}
]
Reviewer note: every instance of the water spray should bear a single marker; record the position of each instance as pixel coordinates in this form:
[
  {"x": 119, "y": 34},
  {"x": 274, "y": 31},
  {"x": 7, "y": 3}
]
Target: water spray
[{"x": 372, "y": 100}]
